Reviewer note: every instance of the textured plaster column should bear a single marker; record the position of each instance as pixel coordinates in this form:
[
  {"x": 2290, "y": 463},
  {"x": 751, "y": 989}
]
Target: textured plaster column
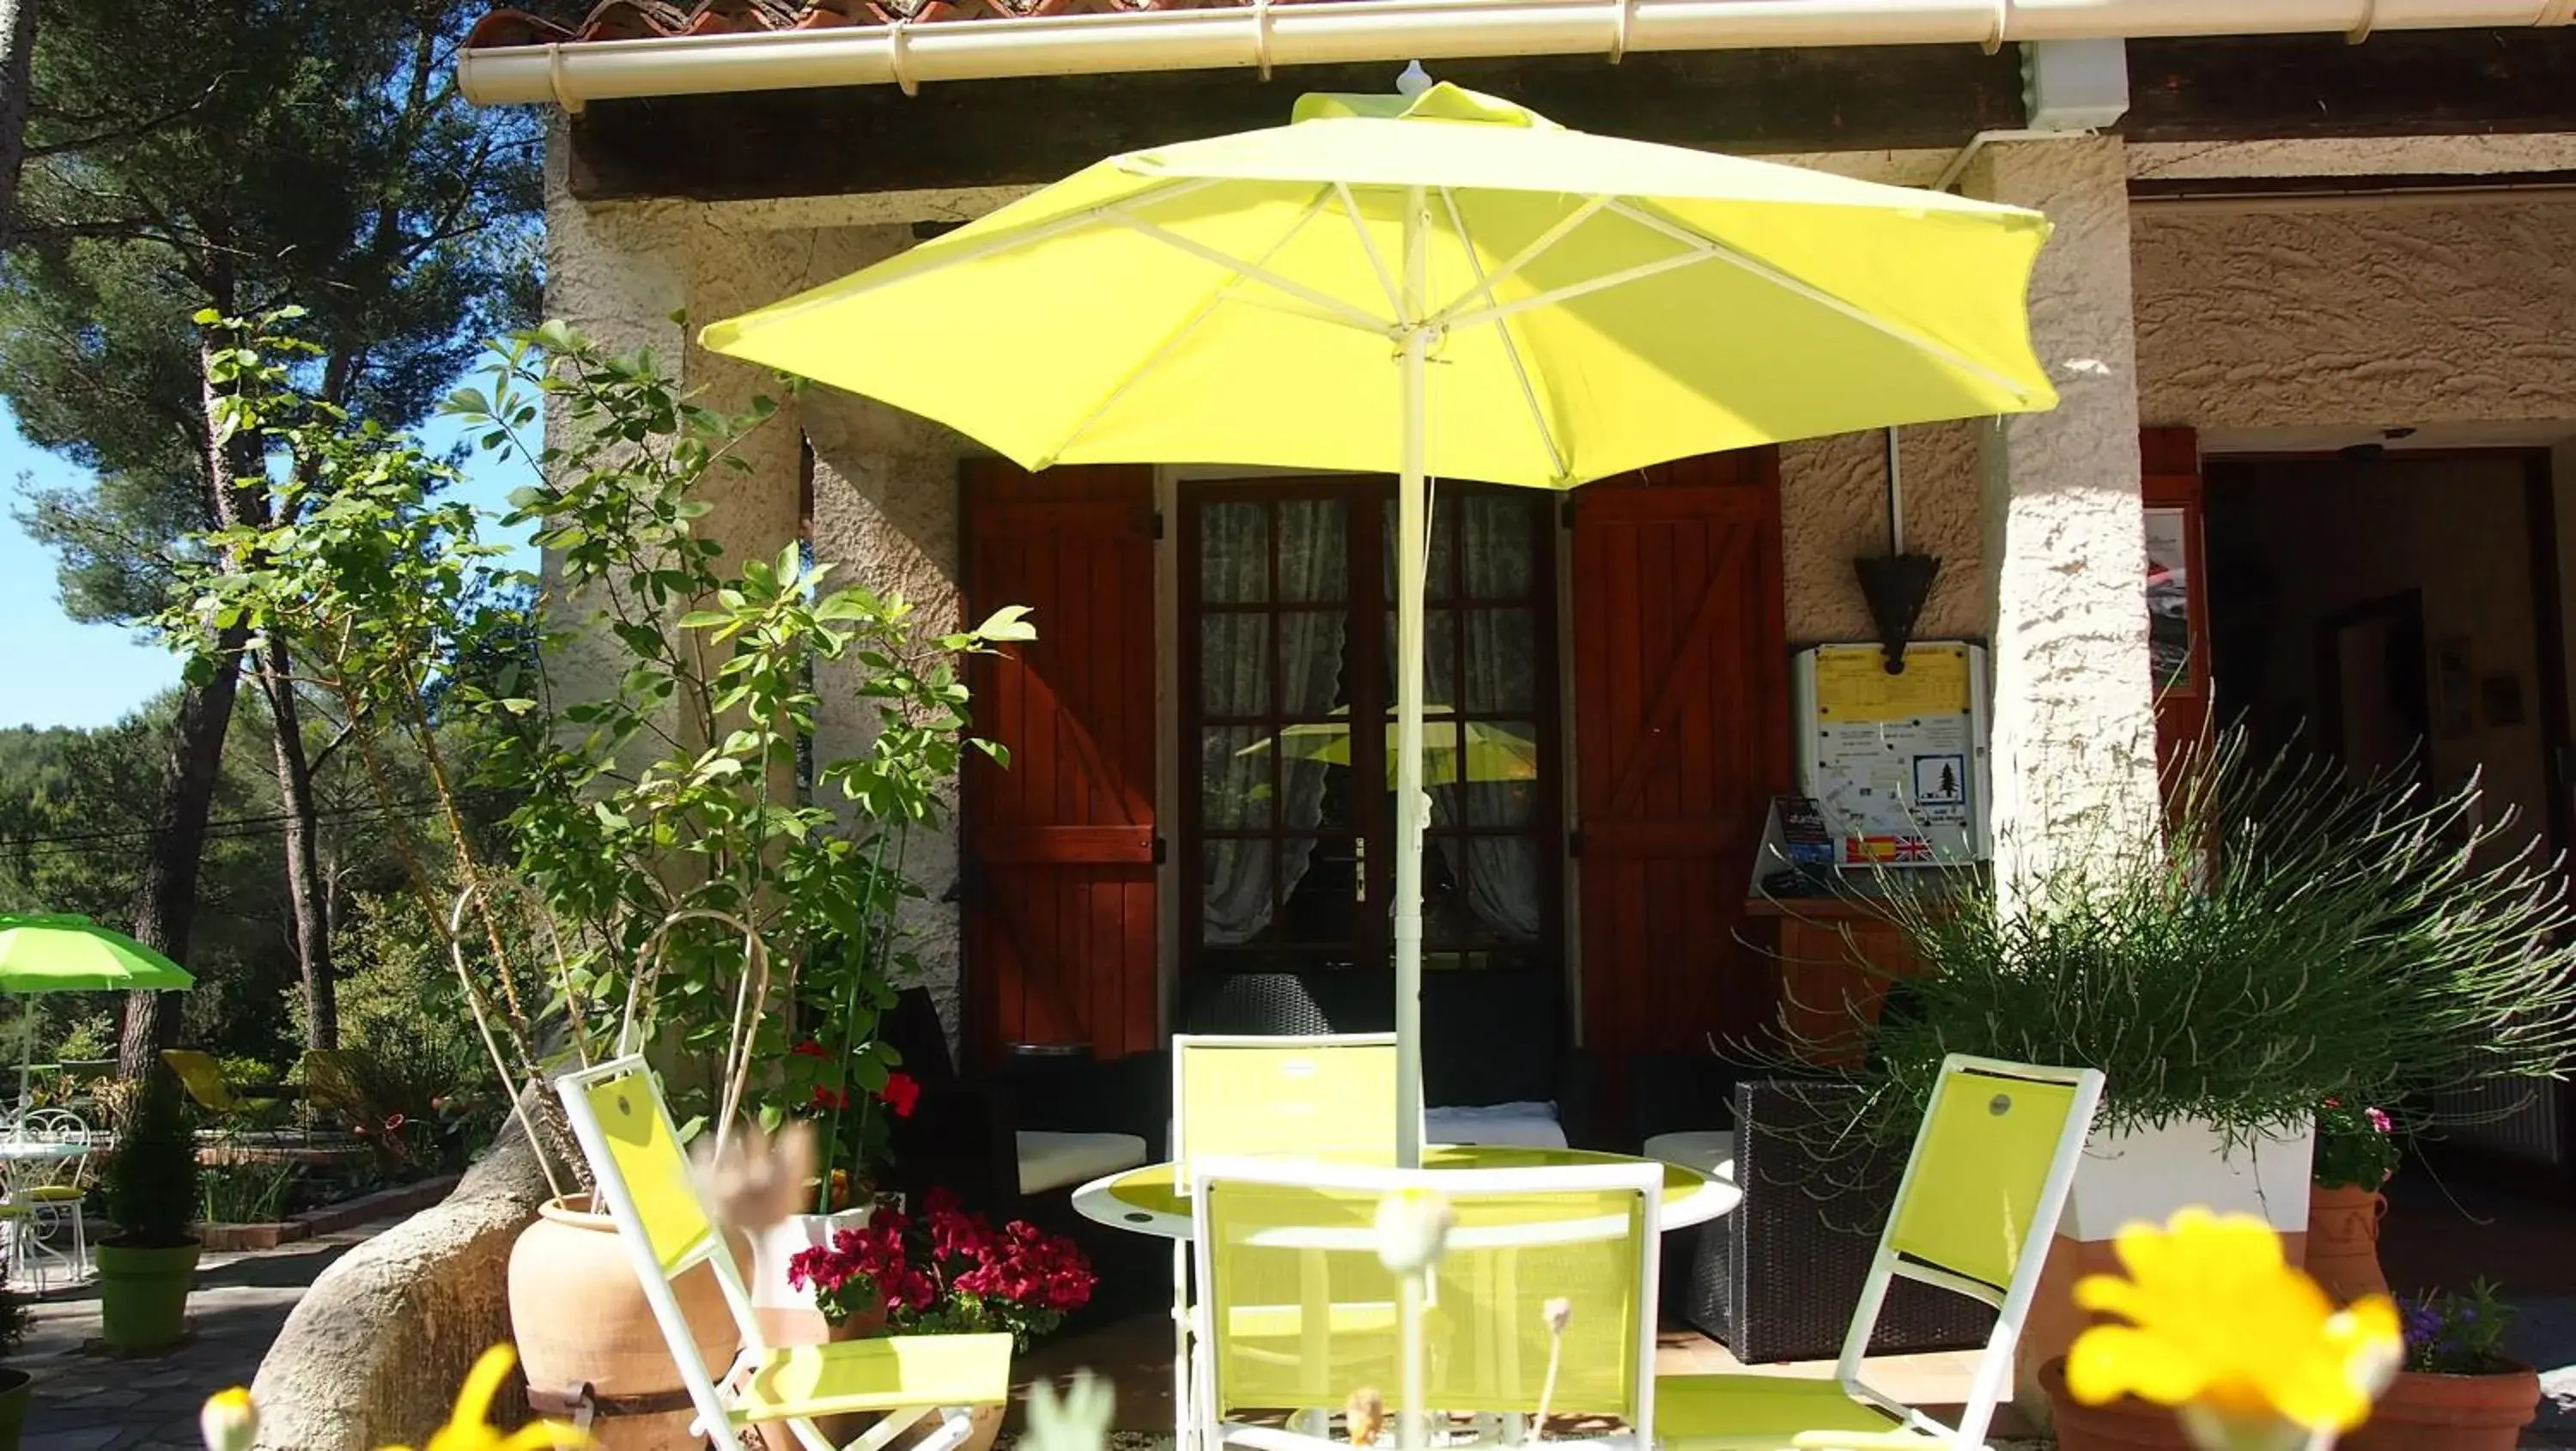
[{"x": 2074, "y": 720}]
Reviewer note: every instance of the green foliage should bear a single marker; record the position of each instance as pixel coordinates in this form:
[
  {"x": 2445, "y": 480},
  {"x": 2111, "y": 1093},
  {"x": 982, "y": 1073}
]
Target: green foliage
[
  {"x": 2356, "y": 1147},
  {"x": 684, "y": 759},
  {"x": 76, "y": 807},
  {"x": 2449, "y": 1333},
  {"x": 2296, "y": 937},
  {"x": 665, "y": 884},
  {"x": 151, "y": 1178},
  {"x": 246, "y": 1193},
  {"x": 16, "y": 1319}
]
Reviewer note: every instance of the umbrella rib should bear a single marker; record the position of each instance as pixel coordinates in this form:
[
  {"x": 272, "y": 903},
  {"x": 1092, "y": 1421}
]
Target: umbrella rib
[
  {"x": 1511, "y": 347},
  {"x": 1484, "y": 288},
  {"x": 1042, "y": 232},
  {"x": 1179, "y": 335},
  {"x": 1340, "y": 311},
  {"x": 1368, "y": 244},
  {"x": 1698, "y": 241}
]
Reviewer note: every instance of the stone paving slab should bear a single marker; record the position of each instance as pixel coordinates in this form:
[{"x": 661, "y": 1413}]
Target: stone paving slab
[{"x": 88, "y": 1400}]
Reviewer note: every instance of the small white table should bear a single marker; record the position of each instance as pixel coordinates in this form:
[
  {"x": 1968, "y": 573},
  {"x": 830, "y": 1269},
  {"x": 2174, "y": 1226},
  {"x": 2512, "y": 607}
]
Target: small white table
[{"x": 1148, "y": 1201}]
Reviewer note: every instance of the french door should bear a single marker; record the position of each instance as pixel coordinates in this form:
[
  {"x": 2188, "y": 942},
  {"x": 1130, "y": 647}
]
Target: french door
[{"x": 1287, "y": 704}]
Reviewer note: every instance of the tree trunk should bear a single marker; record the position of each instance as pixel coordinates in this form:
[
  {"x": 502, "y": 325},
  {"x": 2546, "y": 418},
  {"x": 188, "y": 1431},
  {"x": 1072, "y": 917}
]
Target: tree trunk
[
  {"x": 17, "y": 51},
  {"x": 165, "y": 901},
  {"x": 305, "y": 885}
]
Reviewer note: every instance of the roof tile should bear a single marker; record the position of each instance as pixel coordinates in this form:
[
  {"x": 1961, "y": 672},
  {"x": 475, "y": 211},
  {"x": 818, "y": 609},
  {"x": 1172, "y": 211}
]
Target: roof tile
[{"x": 641, "y": 19}]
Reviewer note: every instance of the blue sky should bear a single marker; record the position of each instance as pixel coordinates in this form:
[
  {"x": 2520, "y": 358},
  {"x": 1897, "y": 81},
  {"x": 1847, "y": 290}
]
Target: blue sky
[{"x": 54, "y": 672}]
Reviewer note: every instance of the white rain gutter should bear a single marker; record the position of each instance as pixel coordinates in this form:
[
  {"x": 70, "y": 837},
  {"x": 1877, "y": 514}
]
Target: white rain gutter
[{"x": 1261, "y": 35}]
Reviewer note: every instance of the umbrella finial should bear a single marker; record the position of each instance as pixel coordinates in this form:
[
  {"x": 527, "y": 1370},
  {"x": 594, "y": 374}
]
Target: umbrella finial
[{"x": 1414, "y": 81}]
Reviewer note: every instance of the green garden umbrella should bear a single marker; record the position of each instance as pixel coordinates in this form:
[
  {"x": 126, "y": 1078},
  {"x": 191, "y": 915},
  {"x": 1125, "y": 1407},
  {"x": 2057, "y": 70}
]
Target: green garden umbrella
[{"x": 47, "y": 953}]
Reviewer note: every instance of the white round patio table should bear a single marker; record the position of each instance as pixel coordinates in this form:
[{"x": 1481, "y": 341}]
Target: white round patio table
[{"x": 1148, "y": 1201}]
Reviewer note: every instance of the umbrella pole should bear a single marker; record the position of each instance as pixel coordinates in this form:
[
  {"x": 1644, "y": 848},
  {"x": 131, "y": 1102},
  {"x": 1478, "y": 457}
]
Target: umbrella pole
[{"x": 1412, "y": 511}]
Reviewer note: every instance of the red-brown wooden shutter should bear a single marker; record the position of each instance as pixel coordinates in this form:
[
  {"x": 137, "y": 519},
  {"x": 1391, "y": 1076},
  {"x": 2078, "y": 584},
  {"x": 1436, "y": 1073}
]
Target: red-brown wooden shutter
[
  {"x": 2169, "y": 461},
  {"x": 1060, "y": 915},
  {"x": 1681, "y": 737}
]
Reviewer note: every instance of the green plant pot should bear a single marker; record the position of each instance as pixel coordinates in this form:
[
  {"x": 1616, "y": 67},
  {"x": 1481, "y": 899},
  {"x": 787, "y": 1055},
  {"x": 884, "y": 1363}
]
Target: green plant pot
[
  {"x": 143, "y": 1294},
  {"x": 15, "y": 1388}
]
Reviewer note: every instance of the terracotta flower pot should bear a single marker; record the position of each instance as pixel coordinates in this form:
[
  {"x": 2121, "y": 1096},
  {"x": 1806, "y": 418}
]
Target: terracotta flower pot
[
  {"x": 2343, "y": 1241},
  {"x": 580, "y": 1319},
  {"x": 2425, "y": 1412},
  {"x": 783, "y": 1326},
  {"x": 2127, "y": 1424}
]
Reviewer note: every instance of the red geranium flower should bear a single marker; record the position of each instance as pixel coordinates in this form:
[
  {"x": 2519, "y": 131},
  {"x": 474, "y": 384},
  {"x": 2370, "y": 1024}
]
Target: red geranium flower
[
  {"x": 901, "y": 1094},
  {"x": 811, "y": 1049}
]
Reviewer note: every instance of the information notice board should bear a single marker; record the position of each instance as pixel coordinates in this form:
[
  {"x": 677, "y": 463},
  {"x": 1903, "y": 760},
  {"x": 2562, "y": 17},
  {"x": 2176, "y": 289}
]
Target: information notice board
[{"x": 1896, "y": 762}]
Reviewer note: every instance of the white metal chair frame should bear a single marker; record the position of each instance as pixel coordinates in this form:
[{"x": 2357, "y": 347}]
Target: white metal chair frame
[
  {"x": 41, "y": 1218},
  {"x": 716, "y": 1419},
  {"x": 1186, "y": 1427},
  {"x": 1644, "y": 1180},
  {"x": 1993, "y": 1375}
]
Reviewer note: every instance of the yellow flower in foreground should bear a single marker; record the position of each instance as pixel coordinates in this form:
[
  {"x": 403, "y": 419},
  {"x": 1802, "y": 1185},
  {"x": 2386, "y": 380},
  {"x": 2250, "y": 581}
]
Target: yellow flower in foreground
[
  {"x": 229, "y": 1422},
  {"x": 2220, "y": 1326},
  {"x": 467, "y": 1428}
]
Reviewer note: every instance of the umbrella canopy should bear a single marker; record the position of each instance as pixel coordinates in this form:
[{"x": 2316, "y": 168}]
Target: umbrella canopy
[
  {"x": 61, "y": 954},
  {"x": 1442, "y": 284}
]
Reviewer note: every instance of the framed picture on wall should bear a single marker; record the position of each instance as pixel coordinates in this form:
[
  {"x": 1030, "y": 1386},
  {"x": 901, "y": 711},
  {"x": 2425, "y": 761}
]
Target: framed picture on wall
[{"x": 2172, "y": 610}]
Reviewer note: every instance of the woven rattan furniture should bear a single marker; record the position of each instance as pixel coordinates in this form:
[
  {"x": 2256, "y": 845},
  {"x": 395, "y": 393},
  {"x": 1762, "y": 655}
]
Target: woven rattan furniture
[{"x": 1777, "y": 1279}]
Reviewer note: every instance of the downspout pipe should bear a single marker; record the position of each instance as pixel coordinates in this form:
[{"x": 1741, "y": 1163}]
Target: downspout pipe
[{"x": 1262, "y": 34}]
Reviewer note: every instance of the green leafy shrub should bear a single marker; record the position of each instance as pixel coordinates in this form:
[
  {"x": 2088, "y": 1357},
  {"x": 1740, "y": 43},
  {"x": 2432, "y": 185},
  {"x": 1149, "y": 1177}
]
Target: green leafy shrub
[
  {"x": 246, "y": 1193},
  {"x": 151, "y": 1180},
  {"x": 2294, "y": 937}
]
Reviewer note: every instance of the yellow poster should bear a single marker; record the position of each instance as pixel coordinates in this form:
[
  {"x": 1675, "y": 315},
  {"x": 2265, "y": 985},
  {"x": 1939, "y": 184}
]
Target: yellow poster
[{"x": 1854, "y": 688}]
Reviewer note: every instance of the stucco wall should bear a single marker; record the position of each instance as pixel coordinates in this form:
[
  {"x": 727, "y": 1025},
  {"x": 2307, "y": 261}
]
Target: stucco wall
[
  {"x": 885, "y": 513},
  {"x": 2404, "y": 314},
  {"x": 1833, "y": 507}
]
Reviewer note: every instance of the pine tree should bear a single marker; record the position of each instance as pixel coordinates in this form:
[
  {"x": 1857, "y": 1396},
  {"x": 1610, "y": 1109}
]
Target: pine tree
[{"x": 235, "y": 156}]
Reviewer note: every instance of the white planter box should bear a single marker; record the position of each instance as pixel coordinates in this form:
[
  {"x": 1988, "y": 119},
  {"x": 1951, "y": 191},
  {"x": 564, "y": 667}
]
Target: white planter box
[
  {"x": 784, "y": 1241},
  {"x": 2149, "y": 1173}
]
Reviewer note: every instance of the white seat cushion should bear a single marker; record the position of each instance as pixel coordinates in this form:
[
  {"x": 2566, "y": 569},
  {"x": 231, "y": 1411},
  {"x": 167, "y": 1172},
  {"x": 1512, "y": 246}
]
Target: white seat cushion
[
  {"x": 1061, "y": 1161},
  {"x": 1516, "y": 1125},
  {"x": 1710, "y": 1151}
]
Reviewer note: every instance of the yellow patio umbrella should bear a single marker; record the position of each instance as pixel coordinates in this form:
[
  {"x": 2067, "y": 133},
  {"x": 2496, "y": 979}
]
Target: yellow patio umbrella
[{"x": 1433, "y": 284}]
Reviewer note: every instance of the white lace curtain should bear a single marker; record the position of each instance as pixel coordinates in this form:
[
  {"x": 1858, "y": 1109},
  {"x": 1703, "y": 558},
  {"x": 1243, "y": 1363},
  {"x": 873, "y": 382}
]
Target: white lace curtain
[{"x": 1234, "y": 679}]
